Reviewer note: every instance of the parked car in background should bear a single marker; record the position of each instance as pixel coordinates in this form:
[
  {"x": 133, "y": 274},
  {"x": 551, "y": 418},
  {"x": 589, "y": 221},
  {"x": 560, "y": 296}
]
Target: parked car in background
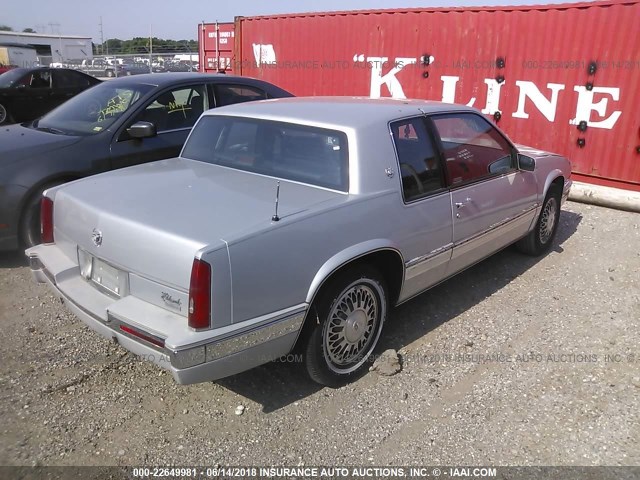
[
  {"x": 28, "y": 93},
  {"x": 292, "y": 223},
  {"x": 100, "y": 68},
  {"x": 118, "y": 123},
  {"x": 135, "y": 68},
  {"x": 172, "y": 66}
]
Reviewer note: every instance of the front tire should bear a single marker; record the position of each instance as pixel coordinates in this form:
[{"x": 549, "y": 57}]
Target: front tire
[
  {"x": 5, "y": 117},
  {"x": 539, "y": 240},
  {"x": 351, "y": 312}
]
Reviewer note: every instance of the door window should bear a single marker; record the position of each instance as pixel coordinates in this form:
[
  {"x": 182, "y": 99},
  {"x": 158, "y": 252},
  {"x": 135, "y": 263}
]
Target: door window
[
  {"x": 228, "y": 94},
  {"x": 37, "y": 79},
  {"x": 69, "y": 79},
  {"x": 472, "y": 147},
  {"x": 176, "y": 109},
  {"x": 419, "y": 166}
]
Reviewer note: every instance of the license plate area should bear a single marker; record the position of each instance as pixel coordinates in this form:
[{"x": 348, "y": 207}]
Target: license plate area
[{"x": 102, "y": 275}]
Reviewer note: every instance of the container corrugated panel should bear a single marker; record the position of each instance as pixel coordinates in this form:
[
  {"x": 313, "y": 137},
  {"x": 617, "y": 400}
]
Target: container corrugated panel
[
  {"x": 538, "y": 70},
  {"x": 216, "y": 42}
]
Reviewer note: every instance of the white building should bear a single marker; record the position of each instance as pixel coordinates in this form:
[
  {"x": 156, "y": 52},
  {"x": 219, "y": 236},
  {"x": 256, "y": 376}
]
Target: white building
[{"x": 52, "y": 48}]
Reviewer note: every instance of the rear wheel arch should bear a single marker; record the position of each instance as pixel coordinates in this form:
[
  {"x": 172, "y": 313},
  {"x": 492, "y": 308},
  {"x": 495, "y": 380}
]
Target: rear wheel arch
[{"x": 386, "y": 260}]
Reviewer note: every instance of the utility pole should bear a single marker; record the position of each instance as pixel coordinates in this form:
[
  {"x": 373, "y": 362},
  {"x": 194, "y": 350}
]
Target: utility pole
[
  {"x": 150, "y": 48},
  {"x": 101, "y": 37},
  {"x": 57, "y": 25}
]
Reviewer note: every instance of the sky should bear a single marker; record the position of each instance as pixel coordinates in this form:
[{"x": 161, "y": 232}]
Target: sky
[{"x": 177, "y": 20}]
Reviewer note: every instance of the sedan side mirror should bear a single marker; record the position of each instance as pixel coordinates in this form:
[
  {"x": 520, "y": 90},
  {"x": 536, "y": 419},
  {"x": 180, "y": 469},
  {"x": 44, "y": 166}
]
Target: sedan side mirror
[
  {"x": 142, "y": 130},
  {"x": 526, "y": 163}
]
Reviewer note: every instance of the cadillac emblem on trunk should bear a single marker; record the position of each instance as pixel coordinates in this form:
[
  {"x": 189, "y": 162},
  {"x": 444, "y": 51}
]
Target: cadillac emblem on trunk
[{"x": 96, "y": 236}]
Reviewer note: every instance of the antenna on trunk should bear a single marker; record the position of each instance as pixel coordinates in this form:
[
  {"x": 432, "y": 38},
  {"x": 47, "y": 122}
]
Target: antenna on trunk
[{"x": 275, "y": 217}]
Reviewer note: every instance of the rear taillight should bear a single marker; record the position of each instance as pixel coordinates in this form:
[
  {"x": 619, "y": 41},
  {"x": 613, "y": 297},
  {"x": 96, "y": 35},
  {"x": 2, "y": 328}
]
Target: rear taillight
[
  {"x": 200, "y": 295},
  {"x": 46, "y": 220}
]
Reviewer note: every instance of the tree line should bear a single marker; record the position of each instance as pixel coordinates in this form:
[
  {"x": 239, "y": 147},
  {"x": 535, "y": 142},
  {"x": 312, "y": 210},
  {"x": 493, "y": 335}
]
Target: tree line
[{"x": 7, "y": 28}]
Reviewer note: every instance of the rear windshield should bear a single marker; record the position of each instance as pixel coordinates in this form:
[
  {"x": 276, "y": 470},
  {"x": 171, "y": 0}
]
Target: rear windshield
[
  {"x": 10, "y": 77},
  {"x": 312, "y": 155}
]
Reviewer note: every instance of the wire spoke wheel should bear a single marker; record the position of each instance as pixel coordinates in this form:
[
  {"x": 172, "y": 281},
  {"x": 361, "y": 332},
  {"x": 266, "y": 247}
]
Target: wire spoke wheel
[
  {"x": 548, "y": 220},
  {"x": 3, "y": 114},
  {"x": 352, "y": 327},
  {"x": 540, "y": 238},
  {"x": 347, "y": 318}
]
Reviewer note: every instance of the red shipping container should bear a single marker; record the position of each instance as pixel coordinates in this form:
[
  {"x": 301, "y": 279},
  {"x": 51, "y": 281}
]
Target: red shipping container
[
  {"x": 564, "y": 78},
  {"x": 216, "y": 43}
]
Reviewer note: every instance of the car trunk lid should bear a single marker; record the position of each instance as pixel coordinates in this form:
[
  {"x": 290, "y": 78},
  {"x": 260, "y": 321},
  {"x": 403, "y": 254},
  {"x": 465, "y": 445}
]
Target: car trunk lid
[{"x": 152, "y": 219}]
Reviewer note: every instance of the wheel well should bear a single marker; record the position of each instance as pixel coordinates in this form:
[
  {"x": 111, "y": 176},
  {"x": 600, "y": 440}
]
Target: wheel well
[
  {"x": 559, "y": 181},
  {"x": 387, "y": 262}
]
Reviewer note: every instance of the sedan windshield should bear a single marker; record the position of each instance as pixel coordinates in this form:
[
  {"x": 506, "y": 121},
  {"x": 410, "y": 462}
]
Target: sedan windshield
[
  {"x": 312, "y": 155},
  {"x": 94, "y": 110}
]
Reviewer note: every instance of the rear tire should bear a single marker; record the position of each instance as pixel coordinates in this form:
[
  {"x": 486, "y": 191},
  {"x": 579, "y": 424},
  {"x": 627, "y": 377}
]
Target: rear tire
[
  {"x": 539, "y": 240},
  {"x": 351, "y": 312}
]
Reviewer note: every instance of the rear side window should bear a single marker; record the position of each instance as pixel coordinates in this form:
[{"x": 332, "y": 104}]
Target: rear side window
[
  {"x": 472, "y": 147},
  {"x": 312, "y": 155},
  {"x": 228, "y": 94},
  {"x": 419, "y": 166}
]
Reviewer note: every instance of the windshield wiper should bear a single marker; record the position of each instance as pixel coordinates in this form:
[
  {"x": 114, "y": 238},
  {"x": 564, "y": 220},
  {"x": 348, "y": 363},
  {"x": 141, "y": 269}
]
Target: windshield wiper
[{"x": 51, "y": 130}]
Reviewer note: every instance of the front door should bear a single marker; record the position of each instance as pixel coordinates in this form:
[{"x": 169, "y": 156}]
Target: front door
[
  {"x": 173, "y": 112},
  {"x": 493, "y": 203}
]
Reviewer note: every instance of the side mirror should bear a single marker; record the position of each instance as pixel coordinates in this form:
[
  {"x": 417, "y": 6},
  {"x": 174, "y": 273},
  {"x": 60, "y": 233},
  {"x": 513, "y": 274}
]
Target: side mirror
[
  {"x": 142, "y": 130},
  {"x": 526, "y": 163}
]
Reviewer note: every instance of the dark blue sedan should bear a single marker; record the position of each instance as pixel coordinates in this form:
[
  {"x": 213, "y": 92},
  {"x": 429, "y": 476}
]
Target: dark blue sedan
[{"x": 118, "y": 123}]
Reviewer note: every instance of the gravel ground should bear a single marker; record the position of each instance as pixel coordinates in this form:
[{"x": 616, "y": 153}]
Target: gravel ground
[{"x": 517, "y": 361}]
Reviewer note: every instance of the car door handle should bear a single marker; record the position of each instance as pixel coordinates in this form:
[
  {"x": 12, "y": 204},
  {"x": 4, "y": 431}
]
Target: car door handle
[{"x": 460, "y": 205}]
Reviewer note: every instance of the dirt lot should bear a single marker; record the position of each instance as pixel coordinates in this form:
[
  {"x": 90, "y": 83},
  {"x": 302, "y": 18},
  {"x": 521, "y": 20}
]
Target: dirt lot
[{"x": 517, "y": 361}]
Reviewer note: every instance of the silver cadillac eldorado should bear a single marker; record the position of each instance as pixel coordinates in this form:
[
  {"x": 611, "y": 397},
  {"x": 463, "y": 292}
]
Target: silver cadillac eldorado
[{"x": 292, "y": 224}]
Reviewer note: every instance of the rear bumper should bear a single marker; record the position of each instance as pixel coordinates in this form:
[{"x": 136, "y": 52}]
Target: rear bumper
[{"x": 215, "y": 354}]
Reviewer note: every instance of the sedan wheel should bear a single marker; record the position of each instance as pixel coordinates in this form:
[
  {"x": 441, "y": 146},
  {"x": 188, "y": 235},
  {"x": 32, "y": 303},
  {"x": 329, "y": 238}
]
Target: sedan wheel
[
  {"x": 4, "y": 115},
  {"x": 548, "y": 219},
  {"x": 539, "y": 240},
  {"x": 351, "y": 314}
]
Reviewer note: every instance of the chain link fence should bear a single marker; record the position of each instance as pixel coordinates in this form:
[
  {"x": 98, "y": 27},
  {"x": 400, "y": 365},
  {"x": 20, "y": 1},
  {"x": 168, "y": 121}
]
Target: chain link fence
[{"x": 122, "y": 65}]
